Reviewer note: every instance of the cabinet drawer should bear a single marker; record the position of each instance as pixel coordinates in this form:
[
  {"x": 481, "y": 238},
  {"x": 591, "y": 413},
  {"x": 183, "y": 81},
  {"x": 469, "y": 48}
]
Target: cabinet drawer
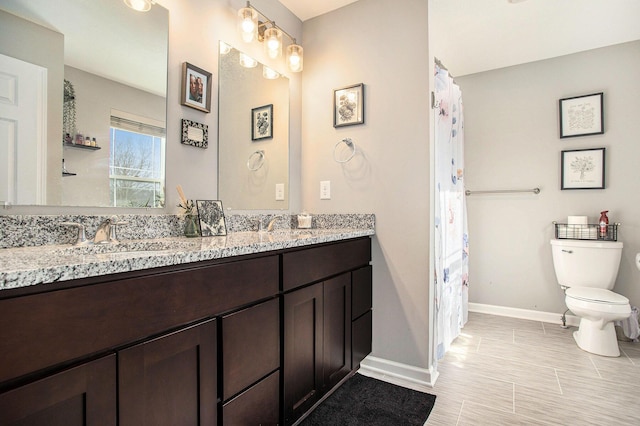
[
  {"x": 69, "y": 324},
  {"x": 258, "y": 405},
  {"x": 250, "y": 346},
  {"x": 314, "y": 264},
  {"x": 361, "y": 298}
]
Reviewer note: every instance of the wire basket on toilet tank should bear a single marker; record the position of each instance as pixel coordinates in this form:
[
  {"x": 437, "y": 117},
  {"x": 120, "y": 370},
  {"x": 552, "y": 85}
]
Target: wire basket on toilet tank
[{"x": 596, "y": 232}]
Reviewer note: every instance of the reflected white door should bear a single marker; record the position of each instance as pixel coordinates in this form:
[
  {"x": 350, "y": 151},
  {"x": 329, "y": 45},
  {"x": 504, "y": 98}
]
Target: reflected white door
[{"x": 23, "y": 123}]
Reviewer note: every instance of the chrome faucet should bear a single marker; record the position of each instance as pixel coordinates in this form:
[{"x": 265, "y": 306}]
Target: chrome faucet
[
  {"x": 106, "y": 233},
  {"x": 81, "y": 239},
  {"x": 270, "y": 224}
]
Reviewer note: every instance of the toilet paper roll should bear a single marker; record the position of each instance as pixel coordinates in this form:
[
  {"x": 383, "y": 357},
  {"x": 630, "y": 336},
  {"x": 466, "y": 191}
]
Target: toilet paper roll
[{"x": 577, "y": 220}]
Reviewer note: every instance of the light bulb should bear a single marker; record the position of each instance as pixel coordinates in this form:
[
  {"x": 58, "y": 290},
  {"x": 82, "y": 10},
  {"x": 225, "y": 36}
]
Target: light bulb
[
  {"x": 268, "y": 73},
  {"x": 247, "y": 61},
  {"x": 224, "y": 48},
  {"x": 273, "y": 42},
  {"x": 139, "y": 5},
  {"x": 247, "y": 23},
  {"x": 294, "y": 57}
]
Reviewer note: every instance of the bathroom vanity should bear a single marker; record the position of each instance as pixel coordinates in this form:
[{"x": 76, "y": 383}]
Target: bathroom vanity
[{"x": 254, "y": 338}]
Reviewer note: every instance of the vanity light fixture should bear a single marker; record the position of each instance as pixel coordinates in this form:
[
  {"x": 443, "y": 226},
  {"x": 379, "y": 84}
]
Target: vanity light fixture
[
  {"x": 270, "y": 34},
  {"x": 224, "y": 48},
  {"x": 269, "y": 74},
  {"x": 140, "y": 5},
  {"x": 247, "y": 61}
]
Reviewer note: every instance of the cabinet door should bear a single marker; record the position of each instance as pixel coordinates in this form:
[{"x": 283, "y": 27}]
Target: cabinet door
[
  {"x": 84, "y": 395},
  {"x": 170, "y": 380},
  {"x": 302, "y": 350},
  {"x": 337, "y": 330}
]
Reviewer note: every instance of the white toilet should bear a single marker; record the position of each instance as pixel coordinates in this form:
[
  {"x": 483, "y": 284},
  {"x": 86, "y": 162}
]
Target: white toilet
[{"x": 588, "y": 270}]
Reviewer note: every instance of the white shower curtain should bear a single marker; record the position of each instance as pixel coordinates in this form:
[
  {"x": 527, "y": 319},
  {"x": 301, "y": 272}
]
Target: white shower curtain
[{"x": 451, "y": 236}]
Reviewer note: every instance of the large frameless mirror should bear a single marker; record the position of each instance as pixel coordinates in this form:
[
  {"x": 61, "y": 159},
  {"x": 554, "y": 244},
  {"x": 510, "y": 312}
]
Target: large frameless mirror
[
  {"x": 82, "y": 122},
  {"x": 253, "y": 139}
]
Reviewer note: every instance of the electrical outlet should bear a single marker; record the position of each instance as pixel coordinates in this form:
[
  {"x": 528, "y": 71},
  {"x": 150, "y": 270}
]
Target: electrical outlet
[
  {"x": 325, "y": 190},
  {"x": 279, "y": 191}
]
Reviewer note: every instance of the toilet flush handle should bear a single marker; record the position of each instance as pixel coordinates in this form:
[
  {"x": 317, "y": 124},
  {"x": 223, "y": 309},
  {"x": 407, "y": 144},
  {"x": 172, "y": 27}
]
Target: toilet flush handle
[{"x": 567, "y": 251}]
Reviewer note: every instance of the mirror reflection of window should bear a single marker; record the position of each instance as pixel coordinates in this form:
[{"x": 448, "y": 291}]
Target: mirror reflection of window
[{"x": 136, "y": 163}]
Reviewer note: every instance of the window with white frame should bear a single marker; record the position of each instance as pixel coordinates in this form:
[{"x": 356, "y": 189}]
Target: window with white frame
[{"x": 136, "y": 162}]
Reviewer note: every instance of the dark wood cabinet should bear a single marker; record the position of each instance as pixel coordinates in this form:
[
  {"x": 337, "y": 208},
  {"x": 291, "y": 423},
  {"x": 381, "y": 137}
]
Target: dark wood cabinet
[
  {"x": 336, "y": 359},
  {"x": 325, "y": 322},
  {"x": 361, "y": 315},
  {"x": 170, "y": 380},
  {"x": 250, "y": 365},
  {"x": 303, "y": 317},
  {"x": 82, "y": 395},
  {"x": 248, "y": 340}
]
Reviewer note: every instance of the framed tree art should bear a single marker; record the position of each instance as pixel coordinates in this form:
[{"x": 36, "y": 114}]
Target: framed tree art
[{"x": 582, "y": 169}]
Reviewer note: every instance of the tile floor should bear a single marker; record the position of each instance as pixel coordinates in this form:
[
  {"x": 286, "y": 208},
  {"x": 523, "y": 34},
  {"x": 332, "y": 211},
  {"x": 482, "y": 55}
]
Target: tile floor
[{"x": 507, "y": 371}]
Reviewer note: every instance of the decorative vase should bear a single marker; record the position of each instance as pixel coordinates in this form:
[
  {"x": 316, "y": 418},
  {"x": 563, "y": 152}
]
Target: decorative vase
[{"x": 191, "y": 226}]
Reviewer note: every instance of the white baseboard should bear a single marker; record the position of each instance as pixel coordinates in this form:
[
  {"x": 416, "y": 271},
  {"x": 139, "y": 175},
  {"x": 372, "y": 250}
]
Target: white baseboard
[
  {"x": 421, "y": 379},
  {"x": 551, "y": 317}
]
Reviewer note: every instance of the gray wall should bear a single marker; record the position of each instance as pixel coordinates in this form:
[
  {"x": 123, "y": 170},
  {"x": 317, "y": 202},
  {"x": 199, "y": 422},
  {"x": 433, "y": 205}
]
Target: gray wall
[
  {"x": 512, "y": 141},
  {"x": 366, "y": 42}
]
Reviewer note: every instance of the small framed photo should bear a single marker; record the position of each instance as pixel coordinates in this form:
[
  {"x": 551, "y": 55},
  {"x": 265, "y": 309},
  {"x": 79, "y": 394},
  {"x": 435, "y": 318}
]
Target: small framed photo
[
  {"x": 582, "y": 169},
  {"x": 582, "y": 116},
  {"x": 211, "y": 217},
  {"x": 195, "y": 134},
  {"x": 196, "y": 87},
  {"x": 262, "y": 122},
  {"x": 348, "y": 106}
]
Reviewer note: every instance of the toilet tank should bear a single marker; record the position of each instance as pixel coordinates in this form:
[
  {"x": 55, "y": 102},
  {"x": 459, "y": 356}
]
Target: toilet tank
[{"x": 581, "y": 263}]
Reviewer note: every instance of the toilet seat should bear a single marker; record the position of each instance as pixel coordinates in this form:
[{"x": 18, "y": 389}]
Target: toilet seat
[{"x": 596, "y": 295}]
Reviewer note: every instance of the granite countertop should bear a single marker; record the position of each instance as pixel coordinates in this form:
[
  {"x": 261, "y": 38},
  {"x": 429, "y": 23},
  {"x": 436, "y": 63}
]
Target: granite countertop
[{"x": 27, "y": 266}]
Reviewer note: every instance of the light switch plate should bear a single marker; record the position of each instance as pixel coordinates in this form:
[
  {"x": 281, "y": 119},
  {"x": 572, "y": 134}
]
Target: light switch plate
[
  {"x": 279, "y": 191},
  {"x": 325, "y": 190}
]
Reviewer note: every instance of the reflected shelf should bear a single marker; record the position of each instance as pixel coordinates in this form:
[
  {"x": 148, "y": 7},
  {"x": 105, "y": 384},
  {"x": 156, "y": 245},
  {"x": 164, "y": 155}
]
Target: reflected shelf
[{"x": 71, "y": 145}]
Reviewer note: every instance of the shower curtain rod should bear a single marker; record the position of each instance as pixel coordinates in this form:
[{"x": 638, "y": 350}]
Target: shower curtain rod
[{"x": 503, "y": 191}]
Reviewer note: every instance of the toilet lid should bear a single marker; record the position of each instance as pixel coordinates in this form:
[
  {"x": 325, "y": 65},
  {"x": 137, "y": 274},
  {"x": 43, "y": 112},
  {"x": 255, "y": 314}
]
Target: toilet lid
[{"x": 596, "y": 295}]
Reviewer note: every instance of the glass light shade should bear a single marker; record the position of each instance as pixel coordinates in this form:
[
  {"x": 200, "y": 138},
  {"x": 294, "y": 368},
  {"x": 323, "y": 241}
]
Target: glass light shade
[
  {"x": 269, "y": 74},
  {"x": 294, "y": 57},
  {"x": 247, "y": 61},
  {"x": 139, "y": 5},
  {"x": 224, "y": 48},
  {"x": 273, "y": 42},
  {"x": 248, "y": 24}
]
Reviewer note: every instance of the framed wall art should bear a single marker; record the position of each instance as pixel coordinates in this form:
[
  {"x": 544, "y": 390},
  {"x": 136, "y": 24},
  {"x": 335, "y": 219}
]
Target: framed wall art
[
  {"x": 196, "y": 87},
  {"x": 348, "y": 106},
  {"x": 582, "y": 169},
  {"x": 262, "y": 122},
  {"x": 582, "y": 116},
  {"x": 211, "y": 217},
  {"x": 195, "y": 134}
]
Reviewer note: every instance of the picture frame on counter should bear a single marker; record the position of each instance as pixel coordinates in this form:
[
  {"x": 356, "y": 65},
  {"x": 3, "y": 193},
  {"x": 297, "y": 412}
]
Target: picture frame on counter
[
  {"x": 211, "y": 215},
  {"x": 583, "y": 169}
]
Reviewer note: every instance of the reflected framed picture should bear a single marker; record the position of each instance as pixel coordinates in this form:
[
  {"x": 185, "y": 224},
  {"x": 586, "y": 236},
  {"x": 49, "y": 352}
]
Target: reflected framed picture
[
  {"x": 196, "y": 87},
  {"x": 262, "y": 122},
  {"x": 195, "y": 134},
  {"x": 348, "y": 105},
  {"x": 582, "y": 115},
  {"x": 582, "y": 169},
  {"x": 211, "y": 217}
]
